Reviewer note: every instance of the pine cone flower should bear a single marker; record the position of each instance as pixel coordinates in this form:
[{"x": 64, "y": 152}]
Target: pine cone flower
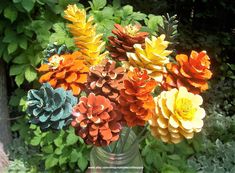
[
  {"x": 84, "y": 31},
  {"x": 124, "y": 40},
  {"x": 50, "y": 108},
  {"x": 136, "y": 102},
  {"x": 106, "y": 79},
  {"x": 96, "y": 121},
  {"x": 178, "y": 115},
  {"x": 192, "y": 72},
  {"x": 65, "y": 71},
  {"x": 152, "y": 58}
]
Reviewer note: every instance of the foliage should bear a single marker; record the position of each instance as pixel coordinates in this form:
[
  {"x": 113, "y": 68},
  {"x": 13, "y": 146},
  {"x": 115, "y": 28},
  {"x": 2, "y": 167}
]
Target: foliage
[
  {"x": 218, "y": 158},
  {"x": 53, "y": 151}
]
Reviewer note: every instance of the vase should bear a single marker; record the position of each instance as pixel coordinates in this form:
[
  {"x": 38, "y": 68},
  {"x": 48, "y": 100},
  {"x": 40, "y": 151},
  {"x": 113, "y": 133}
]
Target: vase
[{"x": 122, "y": 156}]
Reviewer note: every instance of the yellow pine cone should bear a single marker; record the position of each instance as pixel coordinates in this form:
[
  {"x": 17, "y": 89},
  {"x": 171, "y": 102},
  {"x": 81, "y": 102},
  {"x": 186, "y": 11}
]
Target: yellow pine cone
[
  {"x": 84, "y": 31},
  {"x": 153, "y": 58},
  {"x": 178, "y": 115}
]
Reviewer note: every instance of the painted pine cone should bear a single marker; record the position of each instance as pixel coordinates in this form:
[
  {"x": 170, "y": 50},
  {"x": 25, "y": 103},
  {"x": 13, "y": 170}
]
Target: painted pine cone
[
  {"x": 136, "y": 101},
  {"x": 84, "y": 32},
  {"x": 124, "y": 40},
  {"x": 152, "y": 58},
  {"x": 50, "y": 108},
  {"x": 191, "y": 72},
  {"x": 178, "y": 115},
  {"x": 106, "y": 79},
  {"x": 96, "y": 121},
  {"x": 53, "y": 49},
  {"x": 67, "y": 71}
]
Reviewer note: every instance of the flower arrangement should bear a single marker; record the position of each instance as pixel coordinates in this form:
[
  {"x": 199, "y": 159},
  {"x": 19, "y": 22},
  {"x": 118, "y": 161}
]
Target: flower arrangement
[{"x": 101, "y": 88}]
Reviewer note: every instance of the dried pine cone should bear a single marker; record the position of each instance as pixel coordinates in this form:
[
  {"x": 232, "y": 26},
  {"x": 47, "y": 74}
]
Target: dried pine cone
[
  {"x": 96, "y": 121},
  {"x": 191, "y": 72},
  {"x": 125, "y": 38},
  {"x": 136, "y": 101},
  {"x": 106, "y": 79}
]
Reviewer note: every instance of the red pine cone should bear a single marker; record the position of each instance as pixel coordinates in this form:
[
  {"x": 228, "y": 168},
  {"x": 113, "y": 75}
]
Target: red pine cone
[
  {"x": 125, "y": 38},
  {"x": 106, "y": 79},
  {"x": 136, "y": 101},
  {"x": 96, "y": 121}
]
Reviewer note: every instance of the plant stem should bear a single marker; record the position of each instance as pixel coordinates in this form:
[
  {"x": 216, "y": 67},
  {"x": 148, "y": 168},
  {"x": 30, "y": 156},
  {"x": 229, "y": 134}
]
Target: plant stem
[
  {"x": 125, "y": 139},
  {"x": 115, "y": 147},
  {"x": 140, "y": 134}
]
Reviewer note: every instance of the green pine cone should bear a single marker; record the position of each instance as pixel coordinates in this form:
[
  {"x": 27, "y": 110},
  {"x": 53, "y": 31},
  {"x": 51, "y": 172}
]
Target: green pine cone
[{"x": 50, "y": 108}]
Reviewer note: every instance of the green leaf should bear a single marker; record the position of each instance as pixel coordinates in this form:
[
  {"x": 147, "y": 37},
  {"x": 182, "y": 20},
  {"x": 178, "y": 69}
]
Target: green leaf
[
  {"x": 48, "y": 149},
  {"x": 21, "y": 59},
  {"x": 138, "y": 16},
  {"x": 12, "y": 47},
  {"x": 154, "y": 21},
  {"x": 82, "y": 163},
  {"x": 58, "y": 141},
  {"x": 30, "y": 74},
  {"x": 11, "y": 13},
  {"x": 10, "y": 36},
  {"x": 17, "y": 69},
  {"x": 98, "y": 4},
  {"x": 71, "y": 139},
  {"x": 23, "y": 43},
  {"x": 75, "y": 155},
  {"x": 35, "y": 141},
  {"x": 28, "y": 4},
  {"x": 116, "y": 3},
  {"x": 19, "y": 79},
  {"x": 58, "y": 151},
  {"x": 50, "y": 162},
  {"x": 62, "y": 160},
  {"x": 107, "y": 13},
  {"x": 127, "y": 10}
]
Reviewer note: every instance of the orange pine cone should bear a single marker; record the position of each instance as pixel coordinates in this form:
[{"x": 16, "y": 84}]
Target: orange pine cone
[
  {"x": 96, "y": 120},
  {"x": 67, "y": 71},
  {"x": 125, "y": 38},
  {"x": 192, "y": 72},
  {"x": 136, "y": 101}
]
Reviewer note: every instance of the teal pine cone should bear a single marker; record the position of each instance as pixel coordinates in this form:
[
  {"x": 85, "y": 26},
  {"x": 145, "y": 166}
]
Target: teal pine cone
[{"x": 50, "y": 108}]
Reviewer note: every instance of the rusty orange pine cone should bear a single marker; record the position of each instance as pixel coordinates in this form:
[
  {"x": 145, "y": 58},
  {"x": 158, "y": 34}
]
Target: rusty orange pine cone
[
  {"x": 136, "y": 101},
  {"x": 66, "y": 71},
  {"x": 96, "y": 121},
  {"x": 191, "y": 72},
  {"x": 106, "y": 79},
  {"x": 124, "y": 39}
]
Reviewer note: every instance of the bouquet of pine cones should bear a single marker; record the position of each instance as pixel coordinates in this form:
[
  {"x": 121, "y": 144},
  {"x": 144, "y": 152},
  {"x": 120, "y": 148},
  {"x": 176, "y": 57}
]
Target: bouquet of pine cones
[{"x": 105, "y": 86}]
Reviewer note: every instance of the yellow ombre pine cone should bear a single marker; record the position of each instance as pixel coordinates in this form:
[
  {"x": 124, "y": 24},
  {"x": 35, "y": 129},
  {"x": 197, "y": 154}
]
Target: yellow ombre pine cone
[
  {"x": 178, "y": 115},
  {"x": 84, "y": 31},
  {"x": 153, "y": 58}
]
